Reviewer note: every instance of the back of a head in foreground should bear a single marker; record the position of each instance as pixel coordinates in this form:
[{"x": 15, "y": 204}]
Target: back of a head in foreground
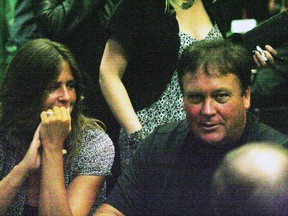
[{"x": 252, "y": 180}]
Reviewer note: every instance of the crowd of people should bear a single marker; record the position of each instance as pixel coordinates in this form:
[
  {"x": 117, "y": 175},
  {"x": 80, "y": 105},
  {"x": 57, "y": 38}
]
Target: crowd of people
[{"x": 152, "y": 92}]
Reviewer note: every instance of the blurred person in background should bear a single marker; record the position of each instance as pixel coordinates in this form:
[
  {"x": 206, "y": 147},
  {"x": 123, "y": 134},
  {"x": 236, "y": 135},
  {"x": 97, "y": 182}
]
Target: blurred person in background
[{"x": 252, "y": 180}]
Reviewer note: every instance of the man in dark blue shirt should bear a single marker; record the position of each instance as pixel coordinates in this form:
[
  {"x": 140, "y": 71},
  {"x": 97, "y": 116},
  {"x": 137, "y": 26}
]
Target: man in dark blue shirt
[{"x": 172, "y": 169}]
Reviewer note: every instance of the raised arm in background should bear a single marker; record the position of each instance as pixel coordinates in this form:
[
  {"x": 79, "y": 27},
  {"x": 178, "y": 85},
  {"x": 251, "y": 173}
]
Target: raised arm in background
[{"x": 112, "y": 69}]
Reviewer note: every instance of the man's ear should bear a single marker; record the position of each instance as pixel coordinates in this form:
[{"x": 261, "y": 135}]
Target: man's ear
[{"x": 247, "y": 98}]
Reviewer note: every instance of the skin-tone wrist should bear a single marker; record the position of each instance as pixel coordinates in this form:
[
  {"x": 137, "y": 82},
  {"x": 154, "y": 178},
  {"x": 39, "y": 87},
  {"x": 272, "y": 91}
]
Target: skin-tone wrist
[
  {"x": 22, "y": 169},
  {"x": 10, "y": 185},
  {"x": 112, "y": 69},
  {"x": 53, "y": 146},
  {"x": 134, "y": 129},
  {"x": 52, "y": 151}
]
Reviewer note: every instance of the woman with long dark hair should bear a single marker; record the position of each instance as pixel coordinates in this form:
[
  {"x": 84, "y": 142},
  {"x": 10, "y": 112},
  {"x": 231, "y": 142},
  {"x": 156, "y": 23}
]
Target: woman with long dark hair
[{"x": 53, "y": 159}]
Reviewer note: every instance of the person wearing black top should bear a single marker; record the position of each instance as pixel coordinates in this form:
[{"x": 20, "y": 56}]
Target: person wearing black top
[{"x": 171, "y": 171}]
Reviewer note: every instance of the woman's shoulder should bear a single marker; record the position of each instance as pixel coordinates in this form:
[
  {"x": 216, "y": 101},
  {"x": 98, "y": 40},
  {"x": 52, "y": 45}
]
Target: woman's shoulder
[
  {"x": 96, "y": 140},
  {"x": 96, "y": 155}
]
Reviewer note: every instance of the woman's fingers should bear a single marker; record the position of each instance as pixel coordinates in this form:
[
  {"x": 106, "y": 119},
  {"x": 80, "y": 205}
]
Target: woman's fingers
[
  {"x": 57, "y": 113},
  {"x": 55, "y": 127},
  {"x": 36, "y": 139}
]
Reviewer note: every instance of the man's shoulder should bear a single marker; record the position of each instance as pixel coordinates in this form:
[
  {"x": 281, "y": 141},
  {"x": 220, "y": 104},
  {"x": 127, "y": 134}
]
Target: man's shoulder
[
  {"x": 267, "y": 133},
  {"x": 161, "y": 147},
  {"x": 173, "y": 127},
  {"x": 167, "y": 136}
]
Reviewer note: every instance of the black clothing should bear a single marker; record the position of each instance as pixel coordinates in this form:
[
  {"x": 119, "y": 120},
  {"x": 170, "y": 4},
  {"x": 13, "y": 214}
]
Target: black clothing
[
  {"x": 171, "y": 171},
  {"x": 151, "y": 41},
  {"x": 30, "y": 211}
]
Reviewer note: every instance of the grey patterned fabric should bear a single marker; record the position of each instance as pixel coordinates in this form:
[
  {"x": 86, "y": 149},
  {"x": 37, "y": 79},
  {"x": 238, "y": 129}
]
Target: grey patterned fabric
[{"x": 95, "y": 158}]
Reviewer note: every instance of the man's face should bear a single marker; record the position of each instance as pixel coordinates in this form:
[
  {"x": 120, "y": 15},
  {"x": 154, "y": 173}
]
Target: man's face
[{"x": 215, "y": 108}]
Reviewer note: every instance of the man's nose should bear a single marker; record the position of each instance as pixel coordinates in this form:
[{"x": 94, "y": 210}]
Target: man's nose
[{"x": 208, "y": 107}]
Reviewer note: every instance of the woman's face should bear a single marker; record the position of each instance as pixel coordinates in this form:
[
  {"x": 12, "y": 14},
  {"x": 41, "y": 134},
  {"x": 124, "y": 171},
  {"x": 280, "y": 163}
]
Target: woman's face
[{"x": 61, "y": 92}]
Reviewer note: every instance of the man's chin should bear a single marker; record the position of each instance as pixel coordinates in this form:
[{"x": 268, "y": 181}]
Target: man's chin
[{"x": 213, "y": 140}]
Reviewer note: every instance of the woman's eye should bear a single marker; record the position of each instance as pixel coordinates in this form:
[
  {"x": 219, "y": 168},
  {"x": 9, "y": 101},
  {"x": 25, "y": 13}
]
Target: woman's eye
[
  {"x": 52, "y": 87},
  {"x": 71, "y": 84}
]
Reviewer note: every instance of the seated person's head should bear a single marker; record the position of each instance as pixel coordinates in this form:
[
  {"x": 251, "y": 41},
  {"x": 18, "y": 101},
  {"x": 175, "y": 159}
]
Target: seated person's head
[
  {"x": 252, "y": 180},
  {"x": 215, "y": 82},
  {"x": 29, "y": 81}
]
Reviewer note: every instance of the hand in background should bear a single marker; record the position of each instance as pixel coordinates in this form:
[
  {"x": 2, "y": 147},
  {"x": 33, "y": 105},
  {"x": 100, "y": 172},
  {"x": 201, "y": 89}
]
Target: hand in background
[{"x": 269, "y": 53}]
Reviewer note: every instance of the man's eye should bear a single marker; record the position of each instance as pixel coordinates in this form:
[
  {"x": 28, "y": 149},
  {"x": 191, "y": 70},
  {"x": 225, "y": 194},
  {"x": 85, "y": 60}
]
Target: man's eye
[
  {"x": 221, "y": 98},
  {"x": 195, "y": 98}
]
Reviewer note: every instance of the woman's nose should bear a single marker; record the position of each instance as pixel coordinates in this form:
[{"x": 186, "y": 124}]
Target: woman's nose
[{"x": 64, "y": 94}]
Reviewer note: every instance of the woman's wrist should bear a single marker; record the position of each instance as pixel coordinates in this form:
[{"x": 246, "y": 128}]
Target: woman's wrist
[{"x": 22, "y": 170}]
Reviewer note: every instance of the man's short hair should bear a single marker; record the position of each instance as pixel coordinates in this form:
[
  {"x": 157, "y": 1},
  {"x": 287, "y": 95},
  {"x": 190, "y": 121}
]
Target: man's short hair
[
  {"x": 217, "y": 58},
  {"x": 252, "y": 180}
]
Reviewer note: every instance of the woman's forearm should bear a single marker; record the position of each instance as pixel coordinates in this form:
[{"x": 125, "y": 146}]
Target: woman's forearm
[
  {"x": 120, "y": 104},
  {"x": 53, "y": 195},
  {"x": 10, "y": 185},
  {"x": 112, "y": 69}
]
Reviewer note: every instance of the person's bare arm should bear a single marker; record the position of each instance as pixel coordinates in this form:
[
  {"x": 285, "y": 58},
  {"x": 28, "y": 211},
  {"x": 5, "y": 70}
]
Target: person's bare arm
[
  {"x": 108, "y": 210},
  {"x": 55, "y": 199},
  {"x": 77, "y": 199},
  {"x": 82, "y": 193},
  {"x": 112, "y": 69},
  {"x": 11, "y": 184}
]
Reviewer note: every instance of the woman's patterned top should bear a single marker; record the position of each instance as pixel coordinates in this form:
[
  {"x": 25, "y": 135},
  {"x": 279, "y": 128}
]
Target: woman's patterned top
[{"x": 95, "y": 158}]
